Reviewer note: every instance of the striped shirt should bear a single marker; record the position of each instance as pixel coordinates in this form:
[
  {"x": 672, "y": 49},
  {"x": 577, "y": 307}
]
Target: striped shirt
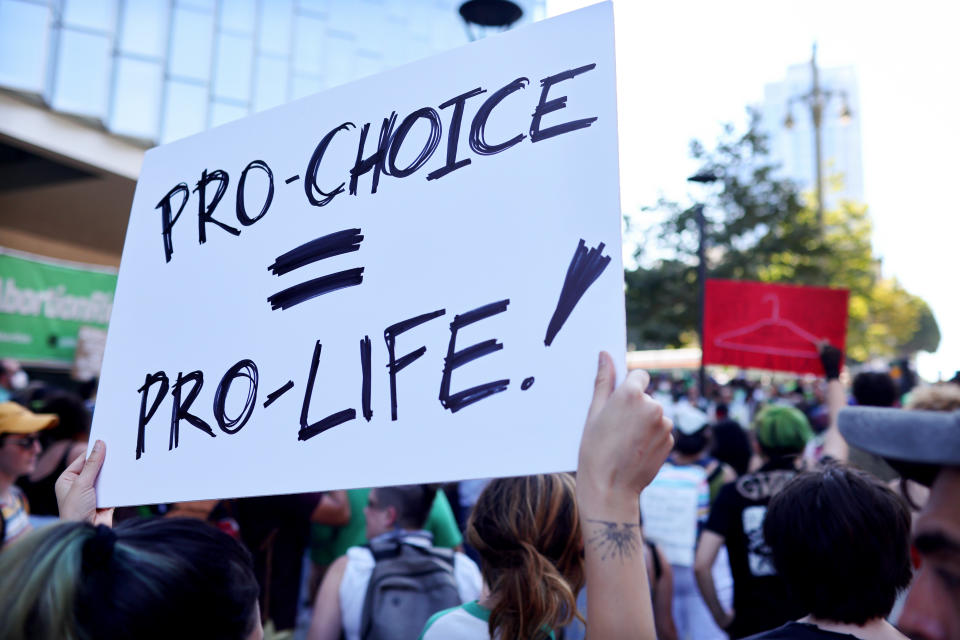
[{"x": 13, "y": 509}]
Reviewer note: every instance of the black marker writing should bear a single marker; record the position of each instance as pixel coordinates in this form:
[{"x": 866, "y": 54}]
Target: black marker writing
[
  {"x": 376, "y": 160},
  {"x": 151, "y": 379},
  {"x": 181, "y": 407},
  {"x": 549, "y": 106},
  {"x": 242, "y": 216},
  {"x": 585, "y": 267},
  {"x": 429, "y": 146},
  {"x": 206, "y": 211},
  {"x": 308, "y": 430},
  {"x": 457, "y": 359},
  {"x": 365, "y": 378},
  {"x": 477, "y": 141},
  {"x": 167, "y": 220},
  {"x": 453, "y": 134},
  {"x": 316, "y": 287},
  {"x": 393, "y": 366},
  {"x": 327, "y": 246},
  {"x": 310, "y": 182},
  {"x": 243, "y": 369},
  {"x": 271, "y": 397}
]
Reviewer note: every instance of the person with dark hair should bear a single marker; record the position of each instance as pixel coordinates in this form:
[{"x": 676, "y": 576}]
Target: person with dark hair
[
  {"x": 760, "y": 599},
  {"x": 19, "y": 449},
  {"x": 13, "y": 379},
  {"x": 150, "y": 579},
  {"x": 873, "y": 389},
  {"x": 841, "y": 542},
  {"x": 153, "y": 578},
  {"x": 63, "y": 444},
  {"x": 922, "y": 446},
  {"x": 731, "y": 444},
  {"x": 348, "y": 596}
]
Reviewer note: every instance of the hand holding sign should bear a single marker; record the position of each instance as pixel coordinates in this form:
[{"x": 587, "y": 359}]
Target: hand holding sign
[
  {"x": 76, "y": 496},
  {"x": 626, "y": 437}
]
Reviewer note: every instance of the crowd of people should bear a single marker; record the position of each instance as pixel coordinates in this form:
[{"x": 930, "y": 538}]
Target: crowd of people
[{"x": 811, "y": 509}]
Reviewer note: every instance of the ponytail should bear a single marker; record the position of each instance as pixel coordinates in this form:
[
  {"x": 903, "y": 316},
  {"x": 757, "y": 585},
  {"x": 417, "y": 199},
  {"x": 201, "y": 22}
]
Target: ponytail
[
  {"x": 527, "y": 532},
  {"x": 74, "y": 581}
]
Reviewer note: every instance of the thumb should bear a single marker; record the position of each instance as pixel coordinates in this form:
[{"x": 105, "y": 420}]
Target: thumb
[
  {"x": 91, "y": 468},
  {"x": 603, "y": 385}
]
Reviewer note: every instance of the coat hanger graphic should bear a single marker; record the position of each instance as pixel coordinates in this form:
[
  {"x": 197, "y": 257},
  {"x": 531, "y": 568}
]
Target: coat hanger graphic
[{"x": 725, "y": 340}]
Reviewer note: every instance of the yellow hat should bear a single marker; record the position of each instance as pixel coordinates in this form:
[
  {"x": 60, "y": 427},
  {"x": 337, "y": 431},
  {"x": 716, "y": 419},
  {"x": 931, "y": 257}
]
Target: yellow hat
[{"x": 18, "y": 419}]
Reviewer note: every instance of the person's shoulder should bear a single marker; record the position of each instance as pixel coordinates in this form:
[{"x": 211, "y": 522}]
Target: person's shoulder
[
  {"x": 800, "y": 631},
  {"x": 360, "y": 555},
  {"x": 16, "y": 499},
  {"x": 468, "y": 621},
  {"x": 726, "y": 493},
  {"x": 468, "y": 576},
  {"x": 462, "y": 559}
]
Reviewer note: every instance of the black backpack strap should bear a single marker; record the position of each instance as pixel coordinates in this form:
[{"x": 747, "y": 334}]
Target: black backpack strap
[
  {"x": 657, "y": 569},
  {"x": 715, "y": 473}
]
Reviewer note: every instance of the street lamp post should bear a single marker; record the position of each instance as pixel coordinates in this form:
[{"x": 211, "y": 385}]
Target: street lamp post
[
  {"x": 817, "y": 99},
  {"x": 482, "y": 15},
  {"x": 703, "y": 177}
]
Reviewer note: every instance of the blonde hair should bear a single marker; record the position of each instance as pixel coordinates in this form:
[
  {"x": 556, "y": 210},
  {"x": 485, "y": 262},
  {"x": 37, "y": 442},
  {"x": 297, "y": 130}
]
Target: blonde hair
[
  {"x": 527, "y": 531},
  {"x": 943, "y": 396}
]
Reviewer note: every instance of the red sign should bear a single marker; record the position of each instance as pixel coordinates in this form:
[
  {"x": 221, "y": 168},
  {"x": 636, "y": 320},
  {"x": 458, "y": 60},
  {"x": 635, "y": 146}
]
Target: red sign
[{"x": 771, "y": 326}]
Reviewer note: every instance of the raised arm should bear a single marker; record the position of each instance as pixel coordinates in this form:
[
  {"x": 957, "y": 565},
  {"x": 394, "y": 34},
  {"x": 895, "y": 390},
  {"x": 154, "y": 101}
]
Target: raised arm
[
  {"x": 834, "y": 444},
  {"x": 625, "y": 440},
  {"x": 333, "y": 509}
]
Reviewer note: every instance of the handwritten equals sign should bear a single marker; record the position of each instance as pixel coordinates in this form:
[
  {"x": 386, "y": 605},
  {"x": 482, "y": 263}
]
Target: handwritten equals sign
[{"x": 321, "y": 248}]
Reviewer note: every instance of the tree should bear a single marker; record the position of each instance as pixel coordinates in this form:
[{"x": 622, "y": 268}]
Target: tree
[{"x": 758, "y": 228}]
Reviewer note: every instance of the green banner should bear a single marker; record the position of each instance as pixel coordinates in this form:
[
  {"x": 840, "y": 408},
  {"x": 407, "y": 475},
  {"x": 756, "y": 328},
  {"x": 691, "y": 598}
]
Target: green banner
[{"x": 44, "y": 302}]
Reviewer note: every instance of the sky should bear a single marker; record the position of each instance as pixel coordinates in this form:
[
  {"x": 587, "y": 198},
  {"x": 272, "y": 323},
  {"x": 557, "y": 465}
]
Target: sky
[{"x": 686, "y": 67}]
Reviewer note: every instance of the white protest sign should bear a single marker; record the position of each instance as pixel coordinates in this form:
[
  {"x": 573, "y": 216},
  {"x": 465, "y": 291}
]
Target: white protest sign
[
  {"x": 669, "y": 508},
  {"x": 404, "y": 279}
]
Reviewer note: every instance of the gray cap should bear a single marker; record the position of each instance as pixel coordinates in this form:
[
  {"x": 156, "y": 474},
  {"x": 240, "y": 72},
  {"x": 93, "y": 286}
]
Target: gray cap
[{"x": 915, "y": 443}]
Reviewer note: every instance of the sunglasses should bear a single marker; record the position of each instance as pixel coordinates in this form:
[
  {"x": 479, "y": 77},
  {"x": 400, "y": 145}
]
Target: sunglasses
[{"x": 27, "y": 442}]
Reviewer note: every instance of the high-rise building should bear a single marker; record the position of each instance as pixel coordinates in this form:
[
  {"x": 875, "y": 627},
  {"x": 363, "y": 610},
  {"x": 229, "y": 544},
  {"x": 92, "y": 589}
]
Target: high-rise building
[
  {"x": 787, "y": 119},
  {"x": 87, "y": 85}
]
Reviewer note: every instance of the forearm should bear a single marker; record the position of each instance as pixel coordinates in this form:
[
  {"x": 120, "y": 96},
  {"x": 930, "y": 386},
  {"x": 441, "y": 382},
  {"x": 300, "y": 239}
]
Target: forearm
[
  {"x": 833, "y": 443},
  {"x": 708, "y": 590},
  {"x": 332, "y": 509},
  {"x": 663, "y": 604},
  {"x": 618, "y": 593}
]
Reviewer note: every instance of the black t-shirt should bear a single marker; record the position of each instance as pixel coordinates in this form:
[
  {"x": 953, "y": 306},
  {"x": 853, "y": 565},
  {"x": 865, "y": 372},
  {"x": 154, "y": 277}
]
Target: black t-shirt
[
  {"x": 760, "y": 597},
  {"x": 801, "y": 631},
  {"x": 276, "y": 530}
]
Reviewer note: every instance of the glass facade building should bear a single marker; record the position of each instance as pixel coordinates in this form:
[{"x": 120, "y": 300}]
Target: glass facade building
[
  {"x": 793, "y": 148},
  {"x": 158, "y": 70}
]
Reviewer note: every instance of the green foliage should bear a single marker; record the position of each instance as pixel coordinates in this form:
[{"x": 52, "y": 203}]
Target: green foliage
[{"x": 758, "y": 228}]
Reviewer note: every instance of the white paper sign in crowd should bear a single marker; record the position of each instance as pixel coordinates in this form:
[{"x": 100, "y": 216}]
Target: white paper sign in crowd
[{"x": 404, "y": 279}]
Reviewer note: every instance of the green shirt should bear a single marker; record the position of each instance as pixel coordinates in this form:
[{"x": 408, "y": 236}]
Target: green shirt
[{"x": 328, "y": 543}]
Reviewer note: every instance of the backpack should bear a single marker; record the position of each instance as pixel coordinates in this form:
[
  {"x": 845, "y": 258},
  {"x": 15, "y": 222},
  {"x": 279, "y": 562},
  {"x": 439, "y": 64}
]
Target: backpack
[{"x": 409, "y": 584}]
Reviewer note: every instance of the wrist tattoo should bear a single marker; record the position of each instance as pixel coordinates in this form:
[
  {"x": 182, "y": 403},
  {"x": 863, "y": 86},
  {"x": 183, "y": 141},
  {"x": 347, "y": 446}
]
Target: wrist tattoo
[{"x": 615, "y": 539}]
